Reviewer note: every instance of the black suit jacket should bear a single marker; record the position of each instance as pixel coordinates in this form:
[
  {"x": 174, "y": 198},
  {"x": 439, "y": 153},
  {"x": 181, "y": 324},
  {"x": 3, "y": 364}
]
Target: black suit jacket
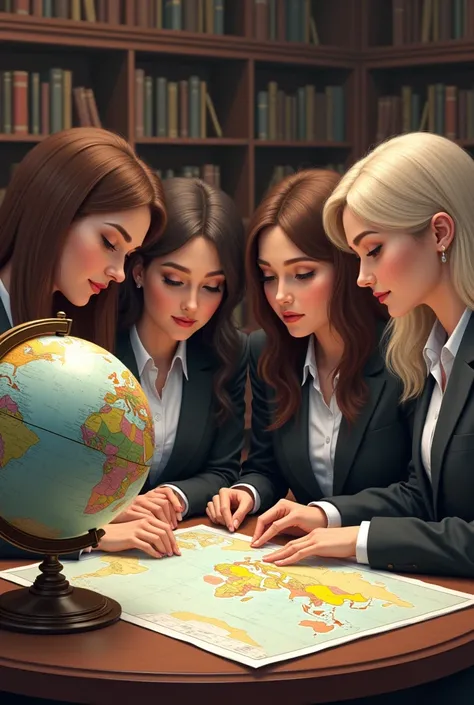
[
  {"x": 205, "y": 456},
  {"x": 373, "y": 452},
  {"x": 422, "y": 526}
]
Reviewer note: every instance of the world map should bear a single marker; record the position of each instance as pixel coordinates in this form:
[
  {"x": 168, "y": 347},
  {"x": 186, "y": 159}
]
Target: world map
[
  {"x": 68, "y": 408},
  {"x": 221, "y": 596}
]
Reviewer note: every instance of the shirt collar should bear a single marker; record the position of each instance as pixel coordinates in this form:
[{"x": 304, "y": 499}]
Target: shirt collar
[
  {"x": 438, "y": 348},
  {"x": 143, "y": 357},
  {"x": 5, "y": 299},
  {"x": 310, "y": 362}
]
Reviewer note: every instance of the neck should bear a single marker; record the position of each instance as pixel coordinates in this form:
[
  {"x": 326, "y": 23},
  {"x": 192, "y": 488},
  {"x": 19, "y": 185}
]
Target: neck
[
  {"x": 329, "y": 349},
  {"x": 447, "y": 306},
  {"x": 157, "y": 344},
  {"x": 6, "y": 276}
]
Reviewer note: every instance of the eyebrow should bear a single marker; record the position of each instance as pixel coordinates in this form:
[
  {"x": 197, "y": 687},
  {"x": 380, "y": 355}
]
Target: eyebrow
[
  {"x": 180, "y": 267},
  {"x": 121, "y": 230},
  {"x": 361, "y": 236},
  {"x": 293, "y": 260}
]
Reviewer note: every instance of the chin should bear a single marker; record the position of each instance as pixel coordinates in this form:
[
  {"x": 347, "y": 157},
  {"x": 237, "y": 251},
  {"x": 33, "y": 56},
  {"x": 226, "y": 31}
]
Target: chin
[{"x": 298, "y": 333}]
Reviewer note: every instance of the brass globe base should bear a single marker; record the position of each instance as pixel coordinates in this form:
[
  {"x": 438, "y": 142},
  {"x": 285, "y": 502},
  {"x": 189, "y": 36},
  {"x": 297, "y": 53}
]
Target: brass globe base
[{"x": 52, "y": 606}]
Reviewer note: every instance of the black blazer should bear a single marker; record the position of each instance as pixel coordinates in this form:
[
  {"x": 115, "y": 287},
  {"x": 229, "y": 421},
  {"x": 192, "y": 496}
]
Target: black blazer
[
  {"x": 372, "y": 453},
  {"x": 422, "y": 526},
  {"x": 205, "y": 456}
]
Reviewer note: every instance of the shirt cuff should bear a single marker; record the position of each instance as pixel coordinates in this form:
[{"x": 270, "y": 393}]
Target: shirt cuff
[
  {"x": 255, "y": 495},
  {"x": 183, "y": 497},
  {"x": 333, "y": 515},
  {"x": 362, "y": 541}
]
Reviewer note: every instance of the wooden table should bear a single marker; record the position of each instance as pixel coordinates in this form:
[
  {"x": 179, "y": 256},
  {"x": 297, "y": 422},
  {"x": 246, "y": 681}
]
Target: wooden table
[{"x": 124, "y": 663}]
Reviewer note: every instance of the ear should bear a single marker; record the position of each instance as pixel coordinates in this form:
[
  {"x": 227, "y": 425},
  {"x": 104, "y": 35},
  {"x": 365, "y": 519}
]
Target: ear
[
  {"x": 443, "y": 229},
  {"x": 138, "y": 271}
]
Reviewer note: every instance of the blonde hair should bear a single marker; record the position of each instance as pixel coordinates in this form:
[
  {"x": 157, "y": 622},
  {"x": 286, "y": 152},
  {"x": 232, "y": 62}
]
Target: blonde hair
[{"x": 399, "y": 186}]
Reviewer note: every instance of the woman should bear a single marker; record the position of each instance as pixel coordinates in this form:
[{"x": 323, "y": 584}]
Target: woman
[
  {"x": 406, "y": 210},
  {"x": 180, "y": 340},
  {"x": 78, "y": 204},
  {"x": 325, "y": 412}
]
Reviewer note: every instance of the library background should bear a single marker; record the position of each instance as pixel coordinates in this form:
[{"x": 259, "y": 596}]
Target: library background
[{"x": 239, "y": 92}]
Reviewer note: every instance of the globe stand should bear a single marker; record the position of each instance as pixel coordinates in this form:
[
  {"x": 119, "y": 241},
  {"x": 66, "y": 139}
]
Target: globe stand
[{"x": 51, "y": 605}]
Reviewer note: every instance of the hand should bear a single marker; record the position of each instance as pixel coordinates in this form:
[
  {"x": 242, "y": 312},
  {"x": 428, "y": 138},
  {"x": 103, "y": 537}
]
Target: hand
[
  {"x": 286, "y": 515},
  {"x": 162, "y": 503},
  {"x": 330, "y": 543},
  {"x": 148, "y": 534},
  {"x": 220, "y": 509}
]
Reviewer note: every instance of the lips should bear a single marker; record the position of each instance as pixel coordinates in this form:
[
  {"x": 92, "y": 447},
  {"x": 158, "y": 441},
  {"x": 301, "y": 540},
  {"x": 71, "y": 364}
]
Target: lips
[
  {"x": 381, "y": 295},
  {"x": 97, "y": 287},
  {"x": 184, "y": 322},
  {"x": 292, "y": 317}
]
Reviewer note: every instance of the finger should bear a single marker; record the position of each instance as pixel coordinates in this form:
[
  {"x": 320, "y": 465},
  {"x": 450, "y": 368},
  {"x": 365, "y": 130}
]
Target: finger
[
  {"x": 146, "y": 548},
  {"x": 174, "y": 500},
  {"x": 154, "y": 508},
  {"x": 156, "y": 539},
  {"x": 168, "y": 511},
  {"x": 241, "y": 512},
  {"x": 263, "y": 521},
  {"x": 211, "y": 513},
  {"x": 285, "y": 551},
  {"x": 169, "y": 533},
  {"x": 226, "y": 513},
  {"x": 273, "y": 530},
  {"x": 216, "y": 502},
  {"x": 298, "y": 556}
]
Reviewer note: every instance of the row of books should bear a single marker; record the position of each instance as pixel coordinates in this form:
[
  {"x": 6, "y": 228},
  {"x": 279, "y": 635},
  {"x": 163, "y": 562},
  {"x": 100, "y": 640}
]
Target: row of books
[
  {"x": 110, "y": 11},
  {"x": 308, "y": 115},
  {"x": 190, "y": 15},
  {"x": 431, "y": 20},
  {"x": 285, "y": 21},
  {"x": 173, "y": 109},
  {"x": 281, "y": 171},
  {"x": 34, "y": 104},
  {"x": 211, "y": 173},
  {"x": 446, "y": 110}
]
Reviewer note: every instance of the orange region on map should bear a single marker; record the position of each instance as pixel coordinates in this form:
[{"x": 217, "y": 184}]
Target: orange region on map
[
  {"x": 318, "y": 627},
  {"x": 35, "y": 350}
]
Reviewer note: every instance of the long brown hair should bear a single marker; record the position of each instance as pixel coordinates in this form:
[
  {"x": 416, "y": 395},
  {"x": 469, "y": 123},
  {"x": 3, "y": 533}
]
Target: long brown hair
[
  {"x": 196, "y": 209},
  {"x": 295, "y": 205},
  {"x": 69, "y": 175}
]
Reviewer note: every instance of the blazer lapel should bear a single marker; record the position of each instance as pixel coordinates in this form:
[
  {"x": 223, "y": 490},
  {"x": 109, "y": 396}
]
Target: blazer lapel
[
  {"x": 455, "y": 396},
  {"x": 124, "y": 352},
  {"x": 4, "y": 320},
  {"x": 196, "y": 404},
  {"x": 350, "y": 436},
  {"x": 294, "y": 444}
]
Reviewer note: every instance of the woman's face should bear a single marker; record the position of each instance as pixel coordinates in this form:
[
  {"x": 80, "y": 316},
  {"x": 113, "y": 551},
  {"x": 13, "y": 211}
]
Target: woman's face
[
  {"x": 182, "y": 290},
  {"x": 95, "y": 250},
  {"x": 297, "y": 287}
]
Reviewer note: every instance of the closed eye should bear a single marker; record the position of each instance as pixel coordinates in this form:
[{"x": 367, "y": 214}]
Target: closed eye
[
  {"x": 213, "y": 289},
  {"x": 267, "y": 278},
  {"x": 375, "y": 251},
  {"x": 172, "y": 282},
  {"x": 306, "y": 275},
  {"x": 107, "y": 244}
]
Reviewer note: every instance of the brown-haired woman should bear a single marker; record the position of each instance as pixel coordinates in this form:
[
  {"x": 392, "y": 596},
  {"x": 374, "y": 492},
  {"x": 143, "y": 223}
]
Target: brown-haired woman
[
  {"x": 180, "y": 340},
  {"x": 78, "y": 203},
  {"x": 325, "y": 411}
]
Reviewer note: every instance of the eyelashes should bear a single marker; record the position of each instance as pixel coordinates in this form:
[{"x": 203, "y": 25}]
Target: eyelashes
[
  {"x": 375, "y": 251},
  {"x": 107, "y": 244},
  {"x": 174, "y": 282},
  {"x": 171, "y": 282},
  {"x": 300, "y": 277}
]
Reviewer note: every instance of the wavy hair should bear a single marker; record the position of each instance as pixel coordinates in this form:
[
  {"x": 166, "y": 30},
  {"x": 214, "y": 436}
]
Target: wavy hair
[
  {"x": 295, "y": 204},
  {"x": 398, "y": 187},
  {"x": 70, "y": 175},
  {"x": 194, "y": 209}
]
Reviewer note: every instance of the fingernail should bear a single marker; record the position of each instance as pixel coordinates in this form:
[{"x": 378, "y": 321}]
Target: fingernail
[
  {"x": 180, "y": 517},
  {"x": 230, "y": 527}
]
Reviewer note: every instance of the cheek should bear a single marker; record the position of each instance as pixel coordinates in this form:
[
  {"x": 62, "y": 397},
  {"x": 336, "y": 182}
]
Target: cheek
[
  {"x": 159, "y": 297},
  {"x": 209, "y": 305},
  {"x": 83, "y": 253},
  {"x": 318, "y": 292},
  {"x": 270, "y": 291}
]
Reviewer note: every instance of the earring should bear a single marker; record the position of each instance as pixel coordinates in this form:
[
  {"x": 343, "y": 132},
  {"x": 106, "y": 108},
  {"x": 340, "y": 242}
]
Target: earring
[
  {"x": 443, "y": 255},
  {"x": 139, "y": 285}
]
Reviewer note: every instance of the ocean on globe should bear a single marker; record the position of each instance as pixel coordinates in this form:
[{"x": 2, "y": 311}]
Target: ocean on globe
[{"x": 76, "y": 437}]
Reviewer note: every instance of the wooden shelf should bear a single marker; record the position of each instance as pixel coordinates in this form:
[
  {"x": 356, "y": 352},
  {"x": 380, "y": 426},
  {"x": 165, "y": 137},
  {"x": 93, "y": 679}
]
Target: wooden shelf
[
  {"x": 302, "y": 145},
  {"x": 190, "y": 142},
  {"x": 452, "y": 51}
]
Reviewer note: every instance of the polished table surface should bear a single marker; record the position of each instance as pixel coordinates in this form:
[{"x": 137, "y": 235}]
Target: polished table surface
[{"x": 124, "y": 662}]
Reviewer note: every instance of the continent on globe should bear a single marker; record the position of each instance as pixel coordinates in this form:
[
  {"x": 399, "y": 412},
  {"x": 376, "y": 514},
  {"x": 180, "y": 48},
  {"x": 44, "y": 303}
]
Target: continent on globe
[
  {"x": 115, "y": 565},
  {"x": 16, "y": 438}
]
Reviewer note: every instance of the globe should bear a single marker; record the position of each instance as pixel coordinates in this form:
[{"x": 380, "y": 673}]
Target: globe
[{"x": 76, "y": 438}]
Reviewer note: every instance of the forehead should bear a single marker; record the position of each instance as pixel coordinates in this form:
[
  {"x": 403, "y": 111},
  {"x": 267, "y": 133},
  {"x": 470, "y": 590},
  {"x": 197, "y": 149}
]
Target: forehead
[
  {"x": 136, "y": 221},
  {"x": 275, "y": 246},
  {"x": 199, "y": 254}
]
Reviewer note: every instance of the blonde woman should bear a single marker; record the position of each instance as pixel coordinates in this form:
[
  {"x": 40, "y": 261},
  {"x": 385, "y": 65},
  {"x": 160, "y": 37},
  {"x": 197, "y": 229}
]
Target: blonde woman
[{"x": 407, "y": 212}]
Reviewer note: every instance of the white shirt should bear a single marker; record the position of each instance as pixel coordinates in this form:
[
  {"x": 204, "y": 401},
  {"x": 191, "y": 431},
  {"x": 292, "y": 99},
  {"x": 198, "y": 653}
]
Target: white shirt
[
  {"x": 165, "y": 409},
  {"x": 437, "y": 354},
  {"x": 324, "y": 422},
  {"x": 5, "y": 298}
]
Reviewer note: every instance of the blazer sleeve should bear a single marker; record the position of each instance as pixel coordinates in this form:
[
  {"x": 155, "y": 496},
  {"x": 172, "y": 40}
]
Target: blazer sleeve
[
  {"x": 261, "y": 468},
  {"x": 223, "y": 463},
  {"x": 411, "y": 545}
]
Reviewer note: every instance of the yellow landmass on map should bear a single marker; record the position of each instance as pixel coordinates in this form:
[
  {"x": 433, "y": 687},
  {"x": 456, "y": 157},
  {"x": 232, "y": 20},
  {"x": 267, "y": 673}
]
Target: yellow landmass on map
[
  {"x": 37, "y": 349},
  {"x": 116, "y": 566},
  {"x": 35, "y": 528},
  {"x": 15, "y": 438},
  {"x": 234, "y": 633},
  {"x": 189, "y": 539}
]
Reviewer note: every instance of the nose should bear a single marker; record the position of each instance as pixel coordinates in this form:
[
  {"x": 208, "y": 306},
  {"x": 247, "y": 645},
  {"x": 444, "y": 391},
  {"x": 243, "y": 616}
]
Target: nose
[
  {"x": 366, "y": 277},
  {"x": 283, "y": 296},
  {"x": 116, "y": 273},
  {"x": 191, "y": 303}
]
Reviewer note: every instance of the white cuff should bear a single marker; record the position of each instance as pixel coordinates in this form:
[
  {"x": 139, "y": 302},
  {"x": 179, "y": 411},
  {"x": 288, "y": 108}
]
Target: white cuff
[
  {"x": 361, "y": 545},
  {"x": 333, "y": 515},
  {"x": 182, "y": 495},
  {"x": 255, "y": 495}
]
